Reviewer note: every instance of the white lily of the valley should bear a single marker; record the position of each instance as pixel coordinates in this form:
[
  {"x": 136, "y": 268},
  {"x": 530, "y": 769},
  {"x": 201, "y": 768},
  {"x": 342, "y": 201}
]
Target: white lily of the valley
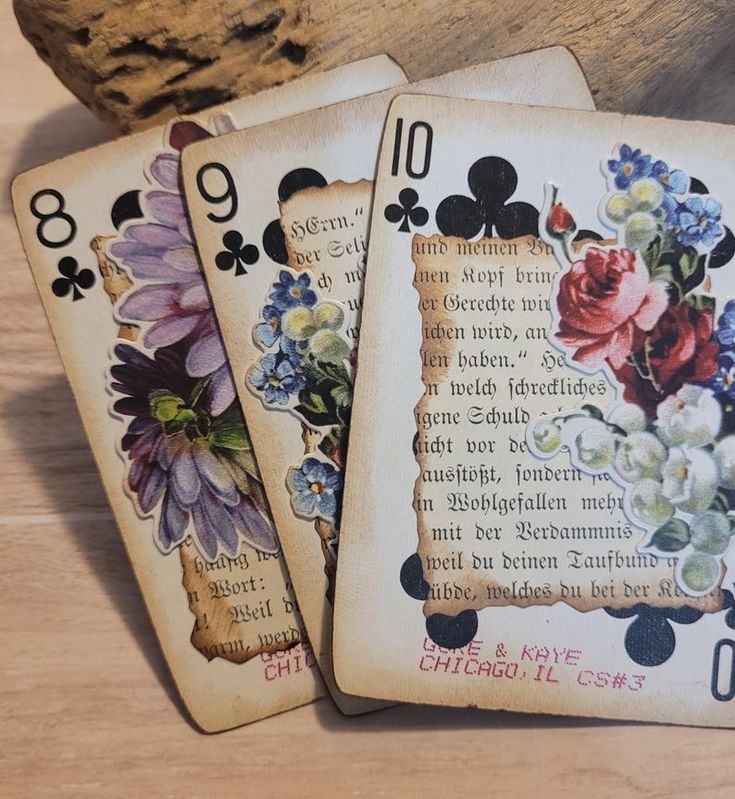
[
  {"x": 547, "y": 436},
  {"x": 724, "y": 456},
  {"x": 640, "y": 455},
  {"x": 628, "y": 417},
  {"x": 690, "y": 479},
  {"x": 691, "y": 417},
  {"x": 711, "y": 532},
  {"x": 648, "y": 503},
  {"x": 596, "y": 446}
]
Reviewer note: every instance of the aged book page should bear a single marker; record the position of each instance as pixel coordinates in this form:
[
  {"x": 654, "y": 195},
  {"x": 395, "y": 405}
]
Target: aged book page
[{"x": 497, "y": 526}]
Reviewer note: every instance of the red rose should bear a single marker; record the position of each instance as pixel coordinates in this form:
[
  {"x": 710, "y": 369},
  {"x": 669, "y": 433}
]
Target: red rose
[
  {"x": 678, "y": 350},
  {"x": 606, "y": 301}
]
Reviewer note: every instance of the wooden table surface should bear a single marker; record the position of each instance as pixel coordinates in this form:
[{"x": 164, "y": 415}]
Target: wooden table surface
[{"x": 87, "y": 704}]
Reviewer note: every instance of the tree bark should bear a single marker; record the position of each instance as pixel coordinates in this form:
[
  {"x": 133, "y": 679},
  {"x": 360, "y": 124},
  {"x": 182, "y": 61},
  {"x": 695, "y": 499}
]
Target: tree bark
[{"x": 136, "y": 63}]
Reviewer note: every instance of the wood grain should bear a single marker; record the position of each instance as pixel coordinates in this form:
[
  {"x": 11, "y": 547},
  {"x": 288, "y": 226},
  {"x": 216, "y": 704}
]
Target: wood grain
[{"x": 88, "y": 707}]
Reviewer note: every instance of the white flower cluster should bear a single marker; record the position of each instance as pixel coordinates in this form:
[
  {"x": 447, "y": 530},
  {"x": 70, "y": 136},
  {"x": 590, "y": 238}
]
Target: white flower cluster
[{"x": 672, "y": 471}]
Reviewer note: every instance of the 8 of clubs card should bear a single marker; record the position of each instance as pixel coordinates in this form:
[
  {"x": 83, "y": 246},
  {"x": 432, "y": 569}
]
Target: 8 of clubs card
[{"x": 108, "y": 240}]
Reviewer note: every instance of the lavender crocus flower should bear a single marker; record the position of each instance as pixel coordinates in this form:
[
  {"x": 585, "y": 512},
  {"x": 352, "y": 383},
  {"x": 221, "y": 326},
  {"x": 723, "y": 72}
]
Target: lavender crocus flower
[
  {"x": 174, "y": 297},
  {"x": 196, "y": 468}
]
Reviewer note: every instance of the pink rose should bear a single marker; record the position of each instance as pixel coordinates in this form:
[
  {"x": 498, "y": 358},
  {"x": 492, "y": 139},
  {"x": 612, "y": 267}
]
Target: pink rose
[{"x": 606, "y": 302}]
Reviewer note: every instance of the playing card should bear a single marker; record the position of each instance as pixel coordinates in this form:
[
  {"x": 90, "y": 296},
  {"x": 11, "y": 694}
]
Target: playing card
[
  {"x": 280, "y": 215},
  {"x": 538, "y": 512},
  {"x": 108, "y": 240}
]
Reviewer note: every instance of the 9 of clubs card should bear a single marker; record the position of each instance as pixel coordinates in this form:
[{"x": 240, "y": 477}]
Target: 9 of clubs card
[
  {"x": 290, "y": 310},
  {"x": 540, "y": 498}
]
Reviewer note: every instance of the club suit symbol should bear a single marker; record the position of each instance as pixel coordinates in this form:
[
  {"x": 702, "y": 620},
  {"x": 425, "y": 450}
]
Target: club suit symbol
[
  {"x": 407, "y": 211},
  {"x": 236, "y": 253},
  {"x": 650, "y": 639},
  {"x": 492, "y": 181},
  {"x": 274, "y": 242},
  {"x": 73, "y": 279}
]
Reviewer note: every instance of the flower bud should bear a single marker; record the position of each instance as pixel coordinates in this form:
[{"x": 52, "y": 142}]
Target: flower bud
[
  {"x": 640, "y": 455},
  {"x": 329, "y": 314},
  {"x": 648, "y": 504},
  {"x": 298, "y": 323},
  {"x": 640, "y": 230},
  {"x": 547, "y": 436},
  {"x": 724, "y": 456},
  {"x": 164, "y": 405},
  {"x": 559, "y": 222},
  {"x": 690, "y": 478},
  {"x": 700, "y": 572},
  {"x": 326, "y": 346},
  {"x": 629, "y": 417},
  {"x": 711, "y": 532},
  {"x": 596, "y": 447},
  {"x": 618, "y": 208},
  {"x": 692, "y": 417},
  {"x": 646, "y": 194}
]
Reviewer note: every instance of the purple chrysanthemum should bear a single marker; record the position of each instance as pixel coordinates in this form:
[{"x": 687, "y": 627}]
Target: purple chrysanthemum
[
  {"x": 174, "y": 299},
  {"x": 196, "y": 465}
]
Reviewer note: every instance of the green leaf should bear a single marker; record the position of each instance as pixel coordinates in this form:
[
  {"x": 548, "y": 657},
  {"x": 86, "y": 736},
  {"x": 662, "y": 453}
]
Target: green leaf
[
  {"x": 672, "y": 537},
  {"x": 337, "y": 372},
  {"x": 692, "y": 269},
  {"x": 342, "y": 395},
  {"x": 318, "y": 410},
  {"x": 593, "y": 411},
  {"x": 343, "y": 415},
  {"x": 325, "y": 375},
  {"x": 331, "y": 440},
  {"x": 702, "y": 302},
  {"x": 229, "y": 431},
  {"x": 681, "y": 266},
  {"x": 234, "y": 437},
  {"x": 199, "y": 388},
  {"x": 652, "y": 253},
  {"x": 313, "y": 401},
  {"x": 316, "y": 378},
  {"x": 244, "y": 461}
]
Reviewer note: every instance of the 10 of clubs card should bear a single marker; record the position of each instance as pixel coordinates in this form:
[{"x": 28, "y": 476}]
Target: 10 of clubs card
[
  {"x": 108, "y": 239},
  {"x": 290, "y": 313},
  {"x": 539, "y": 505}
]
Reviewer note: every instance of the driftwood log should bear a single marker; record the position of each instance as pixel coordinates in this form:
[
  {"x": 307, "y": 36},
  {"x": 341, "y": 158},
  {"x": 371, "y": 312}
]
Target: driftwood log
[{"x": 137, "y": 62}]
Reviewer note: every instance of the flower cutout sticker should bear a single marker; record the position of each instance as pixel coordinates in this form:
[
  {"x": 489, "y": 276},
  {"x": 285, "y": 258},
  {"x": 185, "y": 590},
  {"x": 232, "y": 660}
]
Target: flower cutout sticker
[
  {"x": 236, "y": 254},
  {"x": 492, "y": 182},
  {"x": 306, "y": 370},
  {"x": 315, "y": 488},
  {"x": 72, "y": 279},
  {"x": 629, "y": 166},
  {"x": 699, "y": 221},
  {"x": 278, "y": 380},
  {"x": 192, "y": 468},
  {"x": 408, "y": 212},
  {"x": 640, "y": 308}
]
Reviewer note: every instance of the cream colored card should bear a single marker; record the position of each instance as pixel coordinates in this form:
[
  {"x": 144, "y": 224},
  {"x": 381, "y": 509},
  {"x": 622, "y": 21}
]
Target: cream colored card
[
  {"x": 538, "y": 510},
  {"x": 300, "y": 191},
  {"x": 108, "y": 240}
]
